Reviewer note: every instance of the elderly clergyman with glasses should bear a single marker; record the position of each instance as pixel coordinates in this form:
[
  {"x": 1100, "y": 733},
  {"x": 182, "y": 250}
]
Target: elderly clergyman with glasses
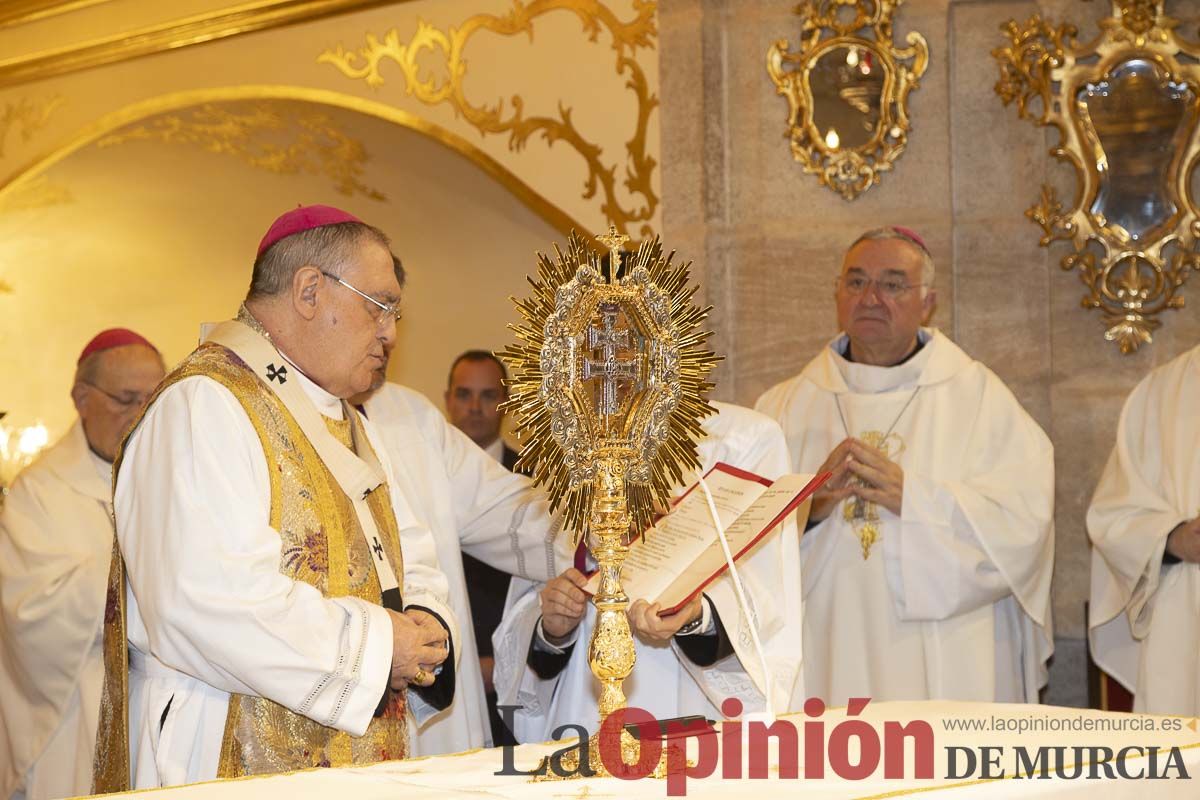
[
  {"x": 289, "y": 610},
  {"x": 56, "y": 544},
  {"x": 926, "y": 565}
]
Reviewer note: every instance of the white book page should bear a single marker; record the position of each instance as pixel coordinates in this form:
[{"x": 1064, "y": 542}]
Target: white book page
[
  {"x": 741, "y": 533},
  {"x": 656, "y": 561}
]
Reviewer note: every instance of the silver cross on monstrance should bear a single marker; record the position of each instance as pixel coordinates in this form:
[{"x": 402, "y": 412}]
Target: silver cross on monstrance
[{"x": 608, "y": 368}]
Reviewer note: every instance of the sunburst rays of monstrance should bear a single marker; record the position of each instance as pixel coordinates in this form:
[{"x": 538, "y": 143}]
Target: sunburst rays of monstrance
[{"x": 609, "y": 376}]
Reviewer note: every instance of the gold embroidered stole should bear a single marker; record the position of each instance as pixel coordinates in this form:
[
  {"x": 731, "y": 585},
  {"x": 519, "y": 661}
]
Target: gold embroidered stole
[
  {"x": 323, "y": 546},
  {"x": 110, "y": 759}
]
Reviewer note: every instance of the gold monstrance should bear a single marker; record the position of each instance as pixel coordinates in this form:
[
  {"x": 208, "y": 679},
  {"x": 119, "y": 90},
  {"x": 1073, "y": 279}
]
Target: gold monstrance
[{"x": 609, "y": 377}]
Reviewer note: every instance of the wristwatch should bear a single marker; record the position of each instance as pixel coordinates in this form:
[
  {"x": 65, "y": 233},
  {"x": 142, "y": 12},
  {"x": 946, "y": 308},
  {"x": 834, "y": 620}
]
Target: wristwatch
[{"x": 691, "y": 627}]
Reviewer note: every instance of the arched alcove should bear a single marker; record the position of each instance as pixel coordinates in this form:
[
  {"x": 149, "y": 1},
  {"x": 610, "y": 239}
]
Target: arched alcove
[{"x": 150, "y": 218}]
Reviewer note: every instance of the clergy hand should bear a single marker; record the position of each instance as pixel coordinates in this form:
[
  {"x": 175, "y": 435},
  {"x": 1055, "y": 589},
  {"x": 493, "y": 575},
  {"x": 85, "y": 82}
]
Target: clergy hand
[
  {"x": 837, "y": 488},
  {"x": 563, "y": 601},
  {"x": 1184, "y": 541},
  {"x": 416, "y": 648},
  {"x": 884, "y": 478},
  {"x": 435, "y": 629},
  {"x": 648, "y": 625}
]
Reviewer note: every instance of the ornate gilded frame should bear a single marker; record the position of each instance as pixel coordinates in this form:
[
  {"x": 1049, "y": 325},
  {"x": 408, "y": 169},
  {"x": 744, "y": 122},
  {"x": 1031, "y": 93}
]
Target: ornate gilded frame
[
  {"x": 1042, "y": 69},
  {"x": 849, "y": 171}
]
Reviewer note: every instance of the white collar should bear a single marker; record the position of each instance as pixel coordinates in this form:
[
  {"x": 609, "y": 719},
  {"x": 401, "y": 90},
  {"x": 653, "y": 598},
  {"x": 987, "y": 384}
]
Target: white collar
[
  {"x": 329, "y": 405},
  {"x": 325, "y": 402},
  {"x": 939, "y": 360},
  {"x": 869, "y": 379}
]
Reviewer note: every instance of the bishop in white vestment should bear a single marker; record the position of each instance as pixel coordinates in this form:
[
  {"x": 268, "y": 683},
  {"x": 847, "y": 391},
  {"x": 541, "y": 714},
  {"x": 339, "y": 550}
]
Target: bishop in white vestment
[
  {"x": 286, "y": 609},
  {"x": 666, "y": 680},
  {"x": 1144, "y": 523},
  {"x": 928, "y": 558},
  {"x": 473, "y": 505},
  {"x": 56, "y": 552}
]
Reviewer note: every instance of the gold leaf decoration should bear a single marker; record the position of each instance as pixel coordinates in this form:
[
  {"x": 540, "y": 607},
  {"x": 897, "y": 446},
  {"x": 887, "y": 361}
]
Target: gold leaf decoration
[
  {"x": 1139, "y": 22},
  {"x": 26, "y": 116},
  {"x": 1047, "y": 214},
  {"x": 281, "y": 138},
  {"x": 1130, "y": 279},
  {"x": 1025, "y": 63},
  {"x": 862, "y": 26},
  {"x": 1139, "y": 16},
  {"x": 450, "y": 47}
]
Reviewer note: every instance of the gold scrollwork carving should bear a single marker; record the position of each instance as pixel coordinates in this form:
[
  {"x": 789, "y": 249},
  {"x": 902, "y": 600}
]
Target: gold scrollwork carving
[
  {"x": 1025, "y": 64},
  {"x": 602, "y": 177},
  {"x": 1139, "y": 17},
  {"x": 27, "y": 116},
  {"x": 1127, "y": 109},
  {"x": 278, "y": 137},
  {"x": 881, "y": 99}
]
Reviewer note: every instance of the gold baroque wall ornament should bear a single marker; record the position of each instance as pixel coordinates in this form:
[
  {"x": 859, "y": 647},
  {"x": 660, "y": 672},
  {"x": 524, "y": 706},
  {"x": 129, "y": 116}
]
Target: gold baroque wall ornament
[
  {"x": 277, "y": 137},
  {"x": 847, "y": 91},
  {"x": 27, "y": 116},
  {"x": 1126, "y": 106},
  {"x": 602, "y": 176}
]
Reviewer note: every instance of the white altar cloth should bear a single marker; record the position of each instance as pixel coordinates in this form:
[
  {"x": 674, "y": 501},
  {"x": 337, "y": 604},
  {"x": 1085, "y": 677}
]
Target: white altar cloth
[{"x": 471, "y": 774}]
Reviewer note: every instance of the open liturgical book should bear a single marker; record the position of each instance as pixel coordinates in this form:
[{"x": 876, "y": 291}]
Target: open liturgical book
[{"x": 682, "y": 553}]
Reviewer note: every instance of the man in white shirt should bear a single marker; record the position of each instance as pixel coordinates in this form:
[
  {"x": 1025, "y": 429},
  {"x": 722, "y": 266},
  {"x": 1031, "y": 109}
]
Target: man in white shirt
[
  {"x": 56, "y": 553},
  {"x": 286, "y": 607},
  {"x": 928, "y": 559}
]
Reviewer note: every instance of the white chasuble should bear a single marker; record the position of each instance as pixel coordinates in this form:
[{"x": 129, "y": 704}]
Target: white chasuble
[
  {"x": 211, "y": 614},
  {"x": 1144, "y": 615},
  {"x": 664, "y": 681},
  {"x": 472, "y": 504},
  {"x": 56, "y": 544},
  {"x": 952, "y": 598}
]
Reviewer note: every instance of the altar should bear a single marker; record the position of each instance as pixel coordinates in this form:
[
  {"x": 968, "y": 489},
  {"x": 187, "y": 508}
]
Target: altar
[{"x": 976, "y": 750}]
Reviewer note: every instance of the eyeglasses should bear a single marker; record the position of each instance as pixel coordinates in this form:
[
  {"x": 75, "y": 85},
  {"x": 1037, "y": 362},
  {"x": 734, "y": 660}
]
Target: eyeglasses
[
  {"x": 888, "y": 287},
  {"x": 387, "y": 311},
  {"x": 125, "y": 400}
]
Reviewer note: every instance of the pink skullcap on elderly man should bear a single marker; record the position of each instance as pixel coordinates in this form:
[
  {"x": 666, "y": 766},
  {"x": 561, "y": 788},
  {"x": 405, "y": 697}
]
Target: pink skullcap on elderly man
[
  {"x": 303, "y": 218},
  {"x": 912, "y": 236},
  {"x": 113, "y": 337}
]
